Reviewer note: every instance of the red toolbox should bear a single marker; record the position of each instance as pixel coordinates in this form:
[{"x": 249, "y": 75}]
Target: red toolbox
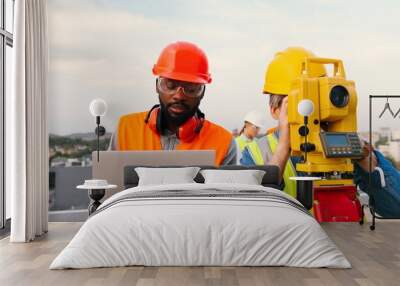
[{"x": 336, "y": 204}]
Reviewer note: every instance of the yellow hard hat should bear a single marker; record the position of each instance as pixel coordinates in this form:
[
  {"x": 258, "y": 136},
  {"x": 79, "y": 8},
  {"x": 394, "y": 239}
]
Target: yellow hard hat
[{"x": 285, "y": 67}]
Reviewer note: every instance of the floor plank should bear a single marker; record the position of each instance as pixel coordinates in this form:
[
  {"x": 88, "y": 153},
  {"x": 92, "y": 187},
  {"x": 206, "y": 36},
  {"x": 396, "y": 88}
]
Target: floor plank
[{"x": 375, "y": 257}]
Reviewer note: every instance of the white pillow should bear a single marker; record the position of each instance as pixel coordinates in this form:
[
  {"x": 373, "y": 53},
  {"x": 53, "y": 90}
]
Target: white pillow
[
  {"x": 249, "y": 177},
  {"x": 163, "y": 176}
]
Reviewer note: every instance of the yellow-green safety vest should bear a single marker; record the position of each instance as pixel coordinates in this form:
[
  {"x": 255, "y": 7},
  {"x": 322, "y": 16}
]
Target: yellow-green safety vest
[
  {"x": 253, "y": 148},
  {"x": 290, "y": 171}
]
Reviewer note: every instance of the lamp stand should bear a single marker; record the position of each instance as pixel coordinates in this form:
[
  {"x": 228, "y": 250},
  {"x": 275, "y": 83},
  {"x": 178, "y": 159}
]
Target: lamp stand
[
  {"x": 98, "y": 137},
  {"x": 305, "y": 138}
]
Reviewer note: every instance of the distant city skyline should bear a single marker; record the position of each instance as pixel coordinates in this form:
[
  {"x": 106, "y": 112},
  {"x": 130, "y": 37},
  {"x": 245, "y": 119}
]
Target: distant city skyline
[{"x": 106, "y": 49}]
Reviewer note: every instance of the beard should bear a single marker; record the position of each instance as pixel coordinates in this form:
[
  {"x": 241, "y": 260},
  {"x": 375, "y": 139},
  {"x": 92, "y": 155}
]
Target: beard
[{"x": 177, "y": 120}]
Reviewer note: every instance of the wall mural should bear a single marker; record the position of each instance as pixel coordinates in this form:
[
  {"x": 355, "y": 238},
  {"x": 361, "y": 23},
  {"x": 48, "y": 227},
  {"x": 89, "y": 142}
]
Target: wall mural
[{"x": 107, "y": 49}]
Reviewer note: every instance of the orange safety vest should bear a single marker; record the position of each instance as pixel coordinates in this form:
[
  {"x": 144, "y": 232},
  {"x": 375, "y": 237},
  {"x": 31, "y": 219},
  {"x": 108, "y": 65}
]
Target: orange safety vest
[{"x": 135, "y": 134}]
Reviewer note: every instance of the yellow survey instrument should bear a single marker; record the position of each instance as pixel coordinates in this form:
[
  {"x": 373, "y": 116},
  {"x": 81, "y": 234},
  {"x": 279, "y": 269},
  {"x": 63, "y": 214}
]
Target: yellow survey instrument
[{"x": 331, "y": 128}]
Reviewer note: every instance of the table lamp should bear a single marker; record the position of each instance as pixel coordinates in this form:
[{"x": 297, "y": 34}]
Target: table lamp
[
  {"x": 98, "y": 108},
  {"x": 305, "y": 108},
  {"x": 304, "y": 185}
]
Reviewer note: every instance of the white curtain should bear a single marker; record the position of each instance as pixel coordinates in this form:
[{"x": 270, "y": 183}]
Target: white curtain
[{"x": 28, "y": 142}]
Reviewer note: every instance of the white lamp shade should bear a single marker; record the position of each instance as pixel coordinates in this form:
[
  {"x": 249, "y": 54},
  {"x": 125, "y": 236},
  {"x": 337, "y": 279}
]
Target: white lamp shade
[
  {"x": 98, "y": 107},
  {"x": 305, "y": 107}
]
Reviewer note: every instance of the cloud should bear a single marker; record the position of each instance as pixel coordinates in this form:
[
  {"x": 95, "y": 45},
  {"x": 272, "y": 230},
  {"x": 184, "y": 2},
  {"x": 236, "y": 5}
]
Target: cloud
[{"x": 107, "y": 49}]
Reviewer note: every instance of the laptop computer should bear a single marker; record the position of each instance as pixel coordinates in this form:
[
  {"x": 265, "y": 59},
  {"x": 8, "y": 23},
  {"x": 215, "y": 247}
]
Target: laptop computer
[{"x": 111, "y": 164}]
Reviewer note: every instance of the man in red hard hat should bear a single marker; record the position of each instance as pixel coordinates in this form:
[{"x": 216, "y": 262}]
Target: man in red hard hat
[{"x": 177, "y": 123}]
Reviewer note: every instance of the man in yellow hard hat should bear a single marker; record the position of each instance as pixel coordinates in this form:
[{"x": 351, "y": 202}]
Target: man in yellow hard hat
[
  {"x": 381, "y": 182},
  {"x": 281, "y": 71}
]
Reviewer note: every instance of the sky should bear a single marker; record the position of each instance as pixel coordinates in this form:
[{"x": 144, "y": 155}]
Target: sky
[{"x": 106, "y": 49}]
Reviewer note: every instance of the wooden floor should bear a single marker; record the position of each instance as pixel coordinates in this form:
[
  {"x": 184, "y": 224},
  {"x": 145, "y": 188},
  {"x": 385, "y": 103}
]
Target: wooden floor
[{"x": 375, "y": 257}]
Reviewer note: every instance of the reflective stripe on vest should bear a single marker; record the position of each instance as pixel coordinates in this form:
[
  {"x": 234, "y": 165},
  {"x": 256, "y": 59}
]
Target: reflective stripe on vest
[
  {"x": 253, "y": 148},
  {"x": 241, "y": 142},
  {"x": 290, "y": 171},
  {"x": 135, "y": 134}
]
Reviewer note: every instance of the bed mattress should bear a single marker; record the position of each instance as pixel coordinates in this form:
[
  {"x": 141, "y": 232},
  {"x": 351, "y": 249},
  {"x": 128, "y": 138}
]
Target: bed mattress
[{"x": 201, "y": 225}]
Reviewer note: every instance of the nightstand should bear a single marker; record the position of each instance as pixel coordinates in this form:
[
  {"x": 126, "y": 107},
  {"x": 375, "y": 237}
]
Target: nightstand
[{"x": 96, "y": 191}]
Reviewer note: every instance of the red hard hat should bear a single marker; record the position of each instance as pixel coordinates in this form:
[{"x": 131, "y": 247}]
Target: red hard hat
[{"x": 183, "y": 61}]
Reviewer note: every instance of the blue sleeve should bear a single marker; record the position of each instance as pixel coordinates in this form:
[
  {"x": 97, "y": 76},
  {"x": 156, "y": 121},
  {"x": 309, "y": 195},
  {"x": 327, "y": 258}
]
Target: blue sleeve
[
  {"x": 361, "y": 177},
  {"x": 386, "y": 165},
  {"x": 387, "y": 198}
]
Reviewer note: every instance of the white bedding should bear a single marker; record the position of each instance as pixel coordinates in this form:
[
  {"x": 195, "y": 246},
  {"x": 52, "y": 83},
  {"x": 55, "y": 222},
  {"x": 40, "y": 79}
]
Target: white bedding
[{"x": 182, "y": 231}]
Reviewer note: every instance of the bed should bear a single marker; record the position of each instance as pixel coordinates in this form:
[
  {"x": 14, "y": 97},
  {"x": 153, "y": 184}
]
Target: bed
[{"x": 201, "y": 224}]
